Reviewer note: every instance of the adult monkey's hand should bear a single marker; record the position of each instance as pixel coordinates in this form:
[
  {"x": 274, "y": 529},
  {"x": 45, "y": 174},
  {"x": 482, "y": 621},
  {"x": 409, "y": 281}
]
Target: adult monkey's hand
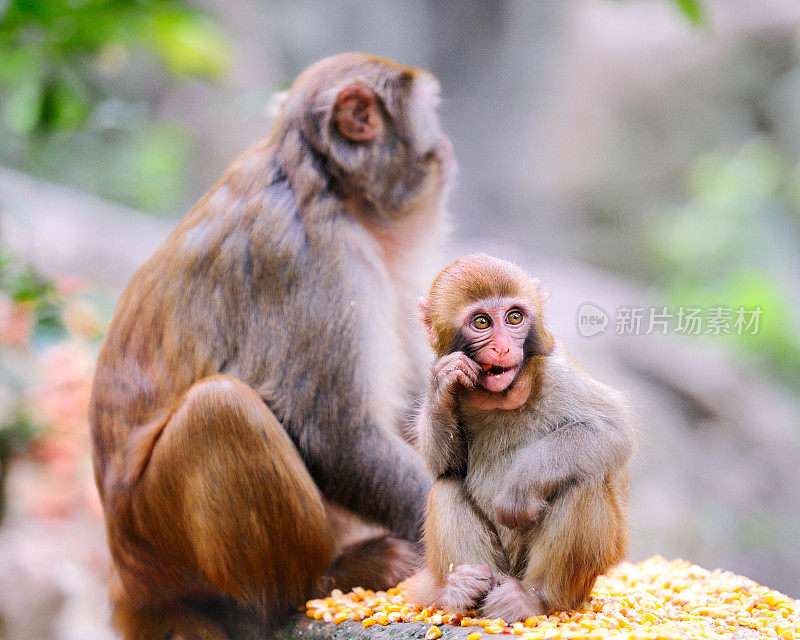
[{"x": 257, "y": 362}]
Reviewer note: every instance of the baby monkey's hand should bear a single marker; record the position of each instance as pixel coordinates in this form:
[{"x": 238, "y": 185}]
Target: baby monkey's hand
[{"x": 451, "y": 373}]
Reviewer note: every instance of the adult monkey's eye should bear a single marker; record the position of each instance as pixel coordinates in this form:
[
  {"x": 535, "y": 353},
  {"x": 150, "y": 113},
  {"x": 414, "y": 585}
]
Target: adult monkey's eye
[
  {"x": 481, "y": 321},
  {"x": 514, "y": 316}
]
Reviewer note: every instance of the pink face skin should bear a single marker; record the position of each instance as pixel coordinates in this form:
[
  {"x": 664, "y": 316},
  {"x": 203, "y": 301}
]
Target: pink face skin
[{"x": 496, "y": 335}]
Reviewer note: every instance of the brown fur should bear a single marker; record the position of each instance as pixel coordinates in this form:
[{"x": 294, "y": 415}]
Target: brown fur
[
  {"x": 538, "y": 491},
  {"x": 243, "y": 385}
]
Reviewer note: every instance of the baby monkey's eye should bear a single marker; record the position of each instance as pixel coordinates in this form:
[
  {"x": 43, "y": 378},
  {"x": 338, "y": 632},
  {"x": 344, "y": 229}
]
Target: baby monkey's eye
[
  {"x": 481, "y": 321},
  {"x": 514, "y": 316}
]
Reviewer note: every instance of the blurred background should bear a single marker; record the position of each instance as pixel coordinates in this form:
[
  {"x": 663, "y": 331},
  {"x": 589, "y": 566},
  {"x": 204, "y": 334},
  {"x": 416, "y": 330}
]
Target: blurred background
[{"x": 642, "y": 157}]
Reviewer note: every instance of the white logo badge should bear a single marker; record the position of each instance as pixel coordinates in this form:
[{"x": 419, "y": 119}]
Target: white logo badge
[{"x": 591, "y": 320}]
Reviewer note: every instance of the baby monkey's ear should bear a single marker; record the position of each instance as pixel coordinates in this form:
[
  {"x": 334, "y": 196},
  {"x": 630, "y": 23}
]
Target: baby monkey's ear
[
  {"x": 543, "y": 293},
  {"x": 424, "y": 314},
  {"x": 357, "y": 114}
]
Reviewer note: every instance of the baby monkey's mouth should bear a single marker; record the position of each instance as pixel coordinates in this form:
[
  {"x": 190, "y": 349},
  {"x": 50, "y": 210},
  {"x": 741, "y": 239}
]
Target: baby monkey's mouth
[
  {"x": 496, "y": 378},
  {"x": 494, "y": 369}
]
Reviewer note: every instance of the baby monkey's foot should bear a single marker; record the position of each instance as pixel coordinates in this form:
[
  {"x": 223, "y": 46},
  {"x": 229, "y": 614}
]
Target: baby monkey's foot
[
  {"x": 510, "y": 600},
  {"x": 466, "y": 586}
]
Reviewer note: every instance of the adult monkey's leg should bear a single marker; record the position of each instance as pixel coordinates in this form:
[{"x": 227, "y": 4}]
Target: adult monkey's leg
[
  {"x": 216, "y": 492},
  {"x": 377, "y": 563}
]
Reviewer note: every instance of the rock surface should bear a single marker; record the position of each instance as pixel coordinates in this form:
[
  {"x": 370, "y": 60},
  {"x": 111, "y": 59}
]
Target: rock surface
[
  {"x": 303, "y": 628},
  {"x": 300, "y": 629}
]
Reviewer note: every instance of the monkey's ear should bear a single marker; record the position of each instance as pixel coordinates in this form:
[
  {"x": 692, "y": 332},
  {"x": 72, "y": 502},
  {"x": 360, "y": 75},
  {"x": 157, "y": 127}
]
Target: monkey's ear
[
  {"x": 358, "y": 114},
  {"x": 544, "y": 294},
  {"x": 273, "y": 106},
  {"x": 425, "y": 315},
  {"x": 424, "y": 310}
]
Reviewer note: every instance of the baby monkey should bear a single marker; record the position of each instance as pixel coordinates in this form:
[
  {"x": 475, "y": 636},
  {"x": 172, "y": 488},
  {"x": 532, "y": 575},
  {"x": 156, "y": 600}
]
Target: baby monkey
[{"x": 529, "y": 453}]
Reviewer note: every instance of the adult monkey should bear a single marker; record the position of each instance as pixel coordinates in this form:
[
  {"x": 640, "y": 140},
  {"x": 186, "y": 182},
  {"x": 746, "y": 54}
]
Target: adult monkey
[{"x": 253, "y": 372}]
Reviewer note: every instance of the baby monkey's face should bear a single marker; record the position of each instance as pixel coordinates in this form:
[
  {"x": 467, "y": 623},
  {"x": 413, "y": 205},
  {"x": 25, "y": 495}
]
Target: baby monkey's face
[{"x": 493, "y": 333}]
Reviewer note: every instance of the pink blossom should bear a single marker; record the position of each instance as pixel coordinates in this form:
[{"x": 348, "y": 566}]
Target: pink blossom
[{"x": 16, "y": 322}]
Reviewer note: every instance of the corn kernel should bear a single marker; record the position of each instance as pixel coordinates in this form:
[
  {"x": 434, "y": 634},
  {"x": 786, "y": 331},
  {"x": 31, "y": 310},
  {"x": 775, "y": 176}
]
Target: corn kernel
[
  {"x": 433, "y": 633},
  {"x": 652, "y": 600},
  {"x": 382, "y": 618}
]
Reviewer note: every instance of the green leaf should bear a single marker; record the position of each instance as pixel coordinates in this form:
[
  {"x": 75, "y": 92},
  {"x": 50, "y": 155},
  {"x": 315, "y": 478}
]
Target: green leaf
[
  {"x": 27, "y": 285},
  {"x": 49, "y": 326},
  {"x": 64, "y": 107},
  {"x": 190, "y": 45},
  {"x": 16, "y": 432},
  {"x": 158, "y": 162},
  {"x": 22, "y": 109},
  {"x": 693, "y": 10},
  {"x": 19, "y": 63}
]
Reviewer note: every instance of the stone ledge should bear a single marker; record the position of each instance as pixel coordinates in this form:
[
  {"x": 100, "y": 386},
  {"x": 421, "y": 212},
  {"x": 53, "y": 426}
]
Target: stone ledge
[{"x": 301, "y": 628}]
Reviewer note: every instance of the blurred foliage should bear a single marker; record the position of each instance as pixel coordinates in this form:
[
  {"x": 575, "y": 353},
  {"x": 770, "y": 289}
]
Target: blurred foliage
[
  {"x": 49, "y": 332},
  {"x": 30, "y": 313},
  {"x": 79, "y": 86},
  {"x": 28, "y": 288},
  {"x": 693, "y": 10},
  {"x": 736, "y": 242}
]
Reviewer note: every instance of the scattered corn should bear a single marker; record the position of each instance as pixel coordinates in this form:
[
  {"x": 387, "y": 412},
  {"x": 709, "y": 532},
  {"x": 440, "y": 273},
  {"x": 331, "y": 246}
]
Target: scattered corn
[
  {"x": 381, "y": 618},
  {"x": 645, "y": 601}
]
